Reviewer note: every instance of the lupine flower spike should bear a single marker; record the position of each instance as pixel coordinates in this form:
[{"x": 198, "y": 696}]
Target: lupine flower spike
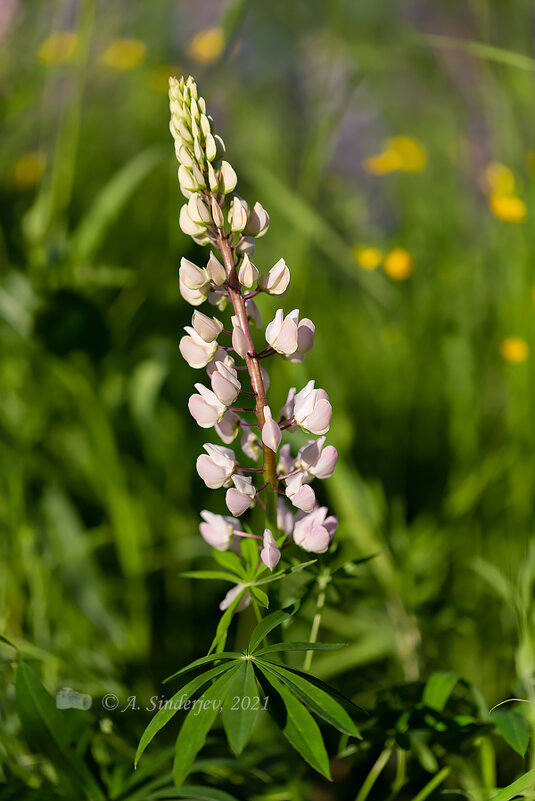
[{"x": 235, "y": 403}]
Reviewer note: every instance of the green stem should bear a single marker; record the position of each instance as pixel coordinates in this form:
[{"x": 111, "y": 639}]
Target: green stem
[
  {"x": 323, "y": 581},
  {"x": 431, "y": 785},
  {"x": 374, "y": 773}
]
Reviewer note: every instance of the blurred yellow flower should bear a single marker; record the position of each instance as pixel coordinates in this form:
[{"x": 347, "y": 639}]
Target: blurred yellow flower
[
  {"x": 207, "y": 45},
  {"x": 29, "y": 170},
  {"x": 59, "y": 47},
  {"x": 500, "y": 178},
  {"x": 124, "y": 54},
  {"x": 367, "y": 257},
  {"x": 159, "y": 78},
  {"x": 398, "y": 264},
  {"x": 508, "y": 208},
  {"x": 402, "y": 153},
  {"x": 514, "y": 350}
]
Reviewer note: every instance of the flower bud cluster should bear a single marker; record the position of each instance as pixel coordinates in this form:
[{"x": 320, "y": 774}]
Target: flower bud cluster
[{"x": 233, "y": 400}]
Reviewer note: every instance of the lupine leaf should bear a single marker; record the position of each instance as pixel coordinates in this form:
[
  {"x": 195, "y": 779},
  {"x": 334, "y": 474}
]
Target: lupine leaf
[
  {"x": 210, "y": 574},
  {"x": 285, "y": 572},
  {"x": 229, "y": 560},
  {"x": 438, "y": 688},
  {"x": 250, "y": 552},
  {"x": 197, "y": 724},
  {"x": 320, "y": 702},
  {"x": 296, "y": 723},
  {"x": 518, "y": 787},
  {"x": 203, "y": 661},
  {"x": 218, "y": 643},
  {"x": 165, "y": 714},
  {"x": 513, "y": 727},
  {"x": 332, "y": 691},
  {"x": 238, "y": 715},
  {"x": 259, "y": 596},
  {"x": 299, "y": 646},
  {"x": 51, "y": 731},
  {"x": 266, "y": 625}
]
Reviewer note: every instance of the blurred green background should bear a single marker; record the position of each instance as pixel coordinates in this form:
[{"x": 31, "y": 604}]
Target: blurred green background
[{"x": 393, "y": 145}]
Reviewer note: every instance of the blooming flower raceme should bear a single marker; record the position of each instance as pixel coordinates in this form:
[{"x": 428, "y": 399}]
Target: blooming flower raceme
[{"x": 236, "y": 404}]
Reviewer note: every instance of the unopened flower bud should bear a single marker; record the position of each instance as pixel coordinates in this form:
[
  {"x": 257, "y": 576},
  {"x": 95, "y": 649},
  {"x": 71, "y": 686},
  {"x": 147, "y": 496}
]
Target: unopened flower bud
[
  {"x": 216, "y": 271},
  {"x": 198, "y": 151},
  {"x": 198, "y": 177},
  {"x": 246, "y": 246},
  {"x": 198, "y": 211},
  {"x": 213, "y": 180},
  {"x": 210, "y": 147},
  {"x": 253, "y": 313},
  {"x": 247, "y": 273},
  {"x": 270, "y": 554},
  {"x": 186, "y": 180},
  {"x": 216, "y": 466},
  {"x": 220, "y": 147},
  {"x": 188, "y": 226},
  {"x": 258, "y": 222},
  {"x": 227, "y": 178},
  {"x": 237, "y": 216},
  {"x": 208, "y": 328},
  {"x": 239, "y": 340},
  {"x": 250, "y": 444},
  {"x": 194, "y": 296},
  {"x": 192, "y": 276},
  {"x": 184, "y": 156},
  {"x": 277, "y": 280},
  {"x": 205, "y": 407},
  {"x": 271, "y": 433},
  {"x": 217, "y": 214},
  {"x": 240, "y": 497}
]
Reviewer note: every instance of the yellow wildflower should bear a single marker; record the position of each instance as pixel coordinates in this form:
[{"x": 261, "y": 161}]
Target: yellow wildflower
[
  {"x": 402, "y": 153},
  {"x": 398, "y": 264},
  {"x": 206, "y": 46},
  {"x": 500, "y": 178},
  {"x": 367, "y": 257},
  {"x": 514, "y": 350},
  {"x": 124, "y": 54},
  {"x": 508, "y": 208},
  {"x": 159, "y": 78},
  {"x": 59, "y": 47},
  {"x": 29, "y": 170},
  {"x": 411, "y": 153}
]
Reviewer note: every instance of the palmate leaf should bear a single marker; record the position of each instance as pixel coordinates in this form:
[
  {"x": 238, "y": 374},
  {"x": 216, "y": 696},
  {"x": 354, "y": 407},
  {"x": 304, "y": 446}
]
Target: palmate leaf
[
  {"x": 203, "y": 661},
  {"x": 299, "y": 646},
  {"x": 295, "y": 722},
  {"x": 259, "y": 596},
  {"x": 266, "y": 625},
  {"x": 332, "y": 691},
  {"x": 320, "y": 702},
  {"x": 210, "y": 574},
  {"x": 239, "y": 714},
  {"x": 230, "y": 561},
  {"x": 198, "y": 723},
  {"x": 285, "y": 572},
  {"x": 218, "y": 643},
  {"x": 165, "y": 714}
]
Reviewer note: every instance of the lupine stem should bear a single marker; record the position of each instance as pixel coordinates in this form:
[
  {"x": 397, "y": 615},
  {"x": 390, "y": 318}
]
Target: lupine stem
[
  {"x": 253, "y": 366},
  {"x": 323, "y": 580}
]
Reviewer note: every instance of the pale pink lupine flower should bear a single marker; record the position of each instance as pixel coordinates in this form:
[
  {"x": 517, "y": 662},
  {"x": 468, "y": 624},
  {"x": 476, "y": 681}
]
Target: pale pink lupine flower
[
  {"x": 239, "y": 340},
  {"x": 232, "y": 595},
  {"x": 270, "y": 554},
  {"x": 301, "y": 495},
  {"x": 253, "y": 313},
  {"x": 208, "y": 328},
  {"x": 287, "y": 411},
  {"x": 271, "y": 433},
  {"x": 247, "y": 273},
  {"x": 285, "y": 464},
  {"x": 257, "y": 222},
  {"x": 277, "y": 280},
  {"x": 240, "y": 497},
  {"x": 195, "y": 350},
  {"x": 317, "y": 460},
  {"x": 285, "y": 518},
  {"x": 217, "y": 530},
  {"x": 225, "y": 383},
  {"x": 215, "y": 270},
  {"x": 206, "y": 407},
  {"x": 312, "y": 410},
  {"x": 281, "y": 333},
  {"x": 305, "y": 339},
  {"x": 216, "y": 466},
  {"x": 227, "y": 428},
  {"x": 250, "y": 444},
  {"x": 219, "y": 356},
  {"x": 314, "y": 532}
]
